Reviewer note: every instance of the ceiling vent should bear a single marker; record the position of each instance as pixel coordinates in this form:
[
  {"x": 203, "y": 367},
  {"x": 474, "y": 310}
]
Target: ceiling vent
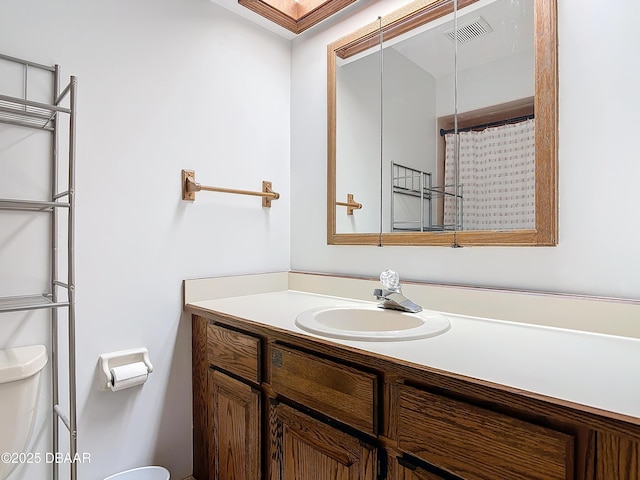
[{"x": 469, "y": 30}]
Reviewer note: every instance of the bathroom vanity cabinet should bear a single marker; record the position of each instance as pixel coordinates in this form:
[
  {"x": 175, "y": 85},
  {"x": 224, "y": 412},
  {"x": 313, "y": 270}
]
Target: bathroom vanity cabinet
[{"x": 275, "y": 404}]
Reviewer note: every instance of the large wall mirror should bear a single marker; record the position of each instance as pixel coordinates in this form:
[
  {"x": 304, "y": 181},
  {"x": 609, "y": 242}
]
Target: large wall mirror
[{"x": 442, "y": 126}]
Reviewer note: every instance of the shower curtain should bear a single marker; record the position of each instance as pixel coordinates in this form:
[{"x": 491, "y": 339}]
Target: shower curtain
[{"x": 497, "y": 174}]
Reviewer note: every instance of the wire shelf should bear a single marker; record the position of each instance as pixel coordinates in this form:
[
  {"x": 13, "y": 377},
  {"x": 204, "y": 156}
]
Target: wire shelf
[
  {"x": 30, "y": 205},
  {"x": 27, "y": 113},
  {"x": 28, "y": 302}
]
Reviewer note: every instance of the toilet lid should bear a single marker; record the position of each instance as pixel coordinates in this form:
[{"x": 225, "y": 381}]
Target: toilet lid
[{"x": 21, "y": 362}]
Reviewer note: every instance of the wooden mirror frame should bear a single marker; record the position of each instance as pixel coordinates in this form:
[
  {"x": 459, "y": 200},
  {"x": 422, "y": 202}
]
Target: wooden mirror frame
[{"x": 414, "y": 15}]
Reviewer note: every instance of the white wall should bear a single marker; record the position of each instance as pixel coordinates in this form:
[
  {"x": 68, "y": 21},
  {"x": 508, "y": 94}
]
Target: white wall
[
  {"x": 163, "y": 85},
  {"x": 598, "y": 169}
]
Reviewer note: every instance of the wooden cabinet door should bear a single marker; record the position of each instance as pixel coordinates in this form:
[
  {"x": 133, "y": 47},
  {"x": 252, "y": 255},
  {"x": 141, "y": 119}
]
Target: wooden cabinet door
[
  {"x": 617, "y": 458},
  {"x": 303, "y": 448},
  {"x": 234, "y": 429},
  {"x": 400, "y": 470}
]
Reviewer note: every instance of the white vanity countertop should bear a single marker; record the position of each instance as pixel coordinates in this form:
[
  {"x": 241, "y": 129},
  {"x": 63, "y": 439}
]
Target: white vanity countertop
[{"x": 601, "y": 371}]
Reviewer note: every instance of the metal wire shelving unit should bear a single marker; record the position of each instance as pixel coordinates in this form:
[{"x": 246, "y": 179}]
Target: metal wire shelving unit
[
  {"x": 411, "y": 182},
  {"x": 60, "y": 295}
]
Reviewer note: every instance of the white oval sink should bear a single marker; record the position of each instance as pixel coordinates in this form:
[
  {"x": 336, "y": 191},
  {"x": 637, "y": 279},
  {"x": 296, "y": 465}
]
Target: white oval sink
[{"x": 371, "y": 323}]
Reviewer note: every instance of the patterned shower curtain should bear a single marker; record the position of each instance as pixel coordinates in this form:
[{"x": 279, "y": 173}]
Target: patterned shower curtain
[{"x": 497, "y": 174}]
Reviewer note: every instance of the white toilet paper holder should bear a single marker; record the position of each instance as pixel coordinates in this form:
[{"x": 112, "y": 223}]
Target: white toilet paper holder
[{"x": 107, "y": 361}]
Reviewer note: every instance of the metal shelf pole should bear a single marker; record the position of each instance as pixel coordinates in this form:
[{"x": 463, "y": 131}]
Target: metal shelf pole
[
  {"x": 54, "y": 275},
  {"x": 73, "y": 442}
]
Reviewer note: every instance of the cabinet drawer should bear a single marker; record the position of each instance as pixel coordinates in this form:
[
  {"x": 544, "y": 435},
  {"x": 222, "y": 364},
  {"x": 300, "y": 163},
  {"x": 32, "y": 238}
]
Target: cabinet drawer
[
  {"x": 341, "y": 392},
  {"x": 473, "y": 442},
  {"x": 235, "y": 352}
]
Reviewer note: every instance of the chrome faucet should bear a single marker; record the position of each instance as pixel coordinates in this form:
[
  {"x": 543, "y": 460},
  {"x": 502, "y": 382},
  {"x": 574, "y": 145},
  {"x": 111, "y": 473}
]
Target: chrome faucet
[{"x": 391, "y": 294}]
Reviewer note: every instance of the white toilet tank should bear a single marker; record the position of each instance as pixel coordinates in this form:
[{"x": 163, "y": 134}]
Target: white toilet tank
[{"x": 19, "y": 379}]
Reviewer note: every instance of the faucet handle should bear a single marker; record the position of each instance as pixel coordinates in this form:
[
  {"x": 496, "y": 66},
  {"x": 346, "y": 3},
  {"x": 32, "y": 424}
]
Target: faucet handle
[{"x": 390, "y": 280}]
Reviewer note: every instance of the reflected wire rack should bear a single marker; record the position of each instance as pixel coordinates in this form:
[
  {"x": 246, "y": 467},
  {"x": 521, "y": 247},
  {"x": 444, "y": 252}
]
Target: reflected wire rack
[
  {"x": 27, "y": 113},
  {"x": 412, "y": 182}
]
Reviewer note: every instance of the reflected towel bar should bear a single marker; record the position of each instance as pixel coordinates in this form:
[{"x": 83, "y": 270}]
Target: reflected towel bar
[
  {"x": 351, "y": 204},
  {"x": 190, "y": 187}
]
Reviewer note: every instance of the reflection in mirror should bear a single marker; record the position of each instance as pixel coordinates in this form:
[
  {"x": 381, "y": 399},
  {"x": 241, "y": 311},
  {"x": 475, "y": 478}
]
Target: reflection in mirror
[
  {"x": 496, "y": 72},
  {"x": 506, "y": 69},
  {"x": 418, "y": 89},
  {"x": 358, "y": 138}
]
